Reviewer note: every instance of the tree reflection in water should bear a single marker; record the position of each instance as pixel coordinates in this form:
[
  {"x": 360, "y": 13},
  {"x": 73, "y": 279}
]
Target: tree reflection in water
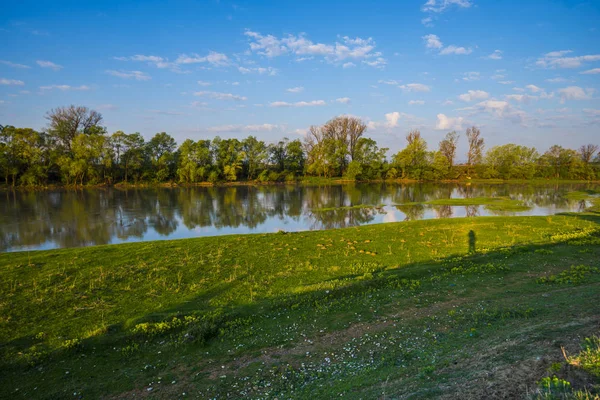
[{"x": 72, "y": 218}]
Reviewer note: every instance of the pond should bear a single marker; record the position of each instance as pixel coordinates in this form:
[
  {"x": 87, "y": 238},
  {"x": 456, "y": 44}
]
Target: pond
[{"x": 74, "y": 218}]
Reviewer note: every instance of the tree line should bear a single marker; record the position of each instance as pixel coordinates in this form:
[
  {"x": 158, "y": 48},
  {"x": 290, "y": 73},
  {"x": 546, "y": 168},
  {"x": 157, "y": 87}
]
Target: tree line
[{"x": 75, "y": 149}]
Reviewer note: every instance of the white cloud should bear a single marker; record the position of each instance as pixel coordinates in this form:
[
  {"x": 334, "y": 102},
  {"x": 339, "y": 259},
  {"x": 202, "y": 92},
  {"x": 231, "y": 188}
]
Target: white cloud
[
  {"x": 432, "y": 41},
  {"x": 297, "y": 89},
  {"x": 472, "y": 95},
  {"x": 428, "y": 22},
  {"x": 575, "y": 93},
  {"x": 392, "y": 120},
  {"x": 520, "y": 98},
  {"x": 137, "y": 75},
  {"x": 496, "y": 55},
  {"x": 534, "y": 89},
  {"x": 438, "y": 6},
  {"x": 452, "y": 49},
  {"x": 591, "y": 111},
  {"x": 555, "y": 59},
  {"x": 312, "y": 103},
  {"x": 416, "y": 102},
  {"x": 347, "y": 48},
  {"x": 259, "y": 70},
  {"x": 591, "y": 71},
  {"x": 379, "y": 62},
  {"x": 388, "y": 82},
  {"x": 65, "y": 88},
  {"x": 447, "y": 103},
  {"x": 415, "y": 87},
  {"x": 348, "y": 65},
  {"x": 518, "y": 89},
  {"x": 495, "y": 106},
  {"x": 556, "y": 80},
  {"x": 14, "y": 65},
  {"x": 506, "y": 82},
  {"x": 158, "y": 62},
  {"x": 554, "y": 54},
  {"x": 49, "y": 64},
  {"x": 204, "y": 83},
  {"x": 471, "y": 76},
  {"x": 448, "y": 123},
  {"x": 15, "y": 82},
  {"x": 213, "y": 58},
  {"x": 343, "y": 100},
  {"x": 221, "y": 96}
]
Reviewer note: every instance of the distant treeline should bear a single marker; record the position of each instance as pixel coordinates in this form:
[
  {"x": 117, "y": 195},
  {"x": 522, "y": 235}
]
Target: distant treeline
[{"x": 76, "y": 149}]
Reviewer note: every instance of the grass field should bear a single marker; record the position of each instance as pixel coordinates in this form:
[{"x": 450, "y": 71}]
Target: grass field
[{"x": 491, "y": 307}]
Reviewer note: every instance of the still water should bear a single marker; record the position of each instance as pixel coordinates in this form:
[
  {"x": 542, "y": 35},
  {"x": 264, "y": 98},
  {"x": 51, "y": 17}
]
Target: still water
[{"x": 73, "y": 218}]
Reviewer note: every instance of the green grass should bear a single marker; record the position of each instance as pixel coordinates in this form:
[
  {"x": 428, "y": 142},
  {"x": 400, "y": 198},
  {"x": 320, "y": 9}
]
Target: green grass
[
  {"x": 417, "y": 309},
  {"x": 355, "y": 207},
  {"x": 490, "y": 203}
]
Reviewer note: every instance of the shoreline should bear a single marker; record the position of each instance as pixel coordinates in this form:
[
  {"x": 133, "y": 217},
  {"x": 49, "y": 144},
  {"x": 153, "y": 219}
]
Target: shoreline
[{"x": 300, "y": 182}]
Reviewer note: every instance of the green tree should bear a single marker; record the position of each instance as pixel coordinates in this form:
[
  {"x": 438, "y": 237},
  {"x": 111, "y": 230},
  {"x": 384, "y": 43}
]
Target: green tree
[
  {"x": 255, "y": 156},
  {"x": 160, "y": 148}
]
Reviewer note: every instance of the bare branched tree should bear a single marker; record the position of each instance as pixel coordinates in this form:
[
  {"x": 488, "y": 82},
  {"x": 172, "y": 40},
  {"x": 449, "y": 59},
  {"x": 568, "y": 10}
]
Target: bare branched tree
[
  {"x": 66, "y": 122},
  {"x": 587, "y": 152},
  {"x": 476, "y": 145},
  {"x": 448, "y": 147},
  {"x": 413, "y": 136}
]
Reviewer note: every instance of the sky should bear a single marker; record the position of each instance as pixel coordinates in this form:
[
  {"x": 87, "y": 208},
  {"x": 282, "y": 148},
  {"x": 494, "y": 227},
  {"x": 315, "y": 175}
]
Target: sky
[{"x": 525, "y": 72}]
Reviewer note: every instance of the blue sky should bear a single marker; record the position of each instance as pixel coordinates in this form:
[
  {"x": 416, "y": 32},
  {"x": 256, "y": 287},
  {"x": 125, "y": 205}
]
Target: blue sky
[{"x": 526, "y": 72}]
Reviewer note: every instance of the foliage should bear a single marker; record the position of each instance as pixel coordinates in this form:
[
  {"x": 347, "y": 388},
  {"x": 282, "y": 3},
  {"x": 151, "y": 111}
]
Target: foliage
[{"x": 75, "y": 149}]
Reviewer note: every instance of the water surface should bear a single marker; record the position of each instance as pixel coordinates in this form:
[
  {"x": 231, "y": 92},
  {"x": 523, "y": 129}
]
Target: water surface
[{"x": 74, "y": 218}]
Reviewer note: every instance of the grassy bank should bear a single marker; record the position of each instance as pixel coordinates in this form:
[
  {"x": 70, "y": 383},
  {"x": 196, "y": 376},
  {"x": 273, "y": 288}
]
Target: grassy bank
[{"x": 450, "y": 308}]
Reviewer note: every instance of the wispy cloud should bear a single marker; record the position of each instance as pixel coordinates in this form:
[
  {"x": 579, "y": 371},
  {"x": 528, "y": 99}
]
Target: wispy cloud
[
  {"x": 433, "y": 42},
  {"x": 575, "y": 93},
  {"x": 472, "y": 95},
  {"x": 415, "y": 87},
  {"x": 213, "y": 58},
  {"x": 439, "y": 6},
  {"x": 496, "y": 55},
  {"x": 259, "y": 70},
  {"x": 313, "y": 103},
  {"x": 49, "y": 64},
  {"x": 221, "y": 96},
  {"x": 591, "y": 71},
  {"x": 297, "y": 89},
  {"x": 557, "y": 59},
  {"x": 343, "y": 100},
  {"x": 136, "y": 75},
  {"x": 15, "y": 82},
  {"x": 14, "y": 65},
  {"x": 345, "y": 49},
  {"x": 65, "y": 88}
]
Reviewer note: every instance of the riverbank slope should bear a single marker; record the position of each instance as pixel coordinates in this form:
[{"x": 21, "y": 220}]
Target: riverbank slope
[{"x": 448, "y": 308}]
